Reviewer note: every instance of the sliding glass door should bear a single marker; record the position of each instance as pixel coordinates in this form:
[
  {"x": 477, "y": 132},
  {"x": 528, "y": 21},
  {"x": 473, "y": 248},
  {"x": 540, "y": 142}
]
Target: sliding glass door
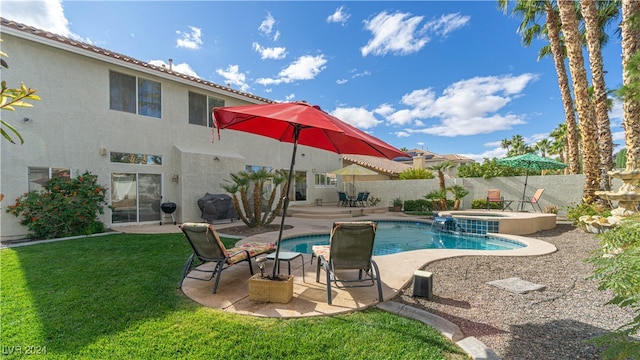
[{"x": 135, "y": 197}]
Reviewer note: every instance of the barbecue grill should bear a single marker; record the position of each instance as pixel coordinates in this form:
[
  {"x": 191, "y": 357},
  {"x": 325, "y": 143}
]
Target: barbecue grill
[{"x": 168, "y": 208}]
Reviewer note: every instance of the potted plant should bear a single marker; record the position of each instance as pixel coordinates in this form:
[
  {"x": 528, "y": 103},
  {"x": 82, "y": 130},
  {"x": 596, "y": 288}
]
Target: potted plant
[
  {"x": 267, "y": 289},
  {"x": 397, "y": 204},
  {"x": 458, "y": 192}
]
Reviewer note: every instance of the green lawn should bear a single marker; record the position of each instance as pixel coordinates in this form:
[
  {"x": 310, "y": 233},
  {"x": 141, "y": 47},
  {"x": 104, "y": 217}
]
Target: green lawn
[{"x": 115, "y": 296}]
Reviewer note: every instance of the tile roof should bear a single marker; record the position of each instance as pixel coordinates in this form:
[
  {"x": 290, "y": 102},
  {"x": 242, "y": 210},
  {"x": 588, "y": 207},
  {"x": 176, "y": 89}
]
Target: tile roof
[
  {"x": 107, "y": 53},
  {"x": 378, "y": 164}
]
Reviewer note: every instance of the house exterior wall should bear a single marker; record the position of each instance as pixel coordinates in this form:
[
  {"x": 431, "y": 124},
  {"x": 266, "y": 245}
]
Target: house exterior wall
[{"x": 73, "y": 122}]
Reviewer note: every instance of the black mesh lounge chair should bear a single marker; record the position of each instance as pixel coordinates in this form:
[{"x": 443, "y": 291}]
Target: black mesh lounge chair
[
  {"x": 207, "y": 247},
  {"x": 351, "y": 248}
]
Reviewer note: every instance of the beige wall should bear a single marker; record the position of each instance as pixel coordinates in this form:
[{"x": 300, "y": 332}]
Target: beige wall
[{"x": 560, "y": 190}]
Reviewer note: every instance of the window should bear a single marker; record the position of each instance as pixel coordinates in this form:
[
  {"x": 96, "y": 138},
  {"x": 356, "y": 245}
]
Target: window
[
  {"x": 130, "y": 158},
  {"x": 201, "y": 108},
  {"x": 38, "y": 176},
  {"x": 123, "y": 95},
  {"x": 325, "y": 179}
]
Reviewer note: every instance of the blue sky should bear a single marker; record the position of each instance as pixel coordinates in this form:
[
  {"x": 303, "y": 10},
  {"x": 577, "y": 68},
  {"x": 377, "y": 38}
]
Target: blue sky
[{"x": 448, "y": 76}]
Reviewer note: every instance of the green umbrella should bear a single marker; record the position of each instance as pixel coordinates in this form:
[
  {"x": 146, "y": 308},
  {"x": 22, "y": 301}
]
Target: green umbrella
[{"x": 530, "y": 161}]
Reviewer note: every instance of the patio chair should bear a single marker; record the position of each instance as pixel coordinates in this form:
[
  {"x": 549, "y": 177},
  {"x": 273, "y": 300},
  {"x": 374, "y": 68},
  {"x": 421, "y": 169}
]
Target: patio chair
[
  {"x": 365, "y": 200},
  {"x": 350, "y": 248},
  {"x": 493, "y": 196},
  {"x": 534, "y": 200},
  {"x": 207, "y": 247},
  {"x": 343, "y": 200},
  {"x": 359, "y": 201}
]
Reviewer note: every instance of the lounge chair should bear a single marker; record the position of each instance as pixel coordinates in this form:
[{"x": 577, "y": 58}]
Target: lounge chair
[
  {"x": 350, "y": 248},
  {"x": 493, "y": 196},
  {"x": 207, "y": 247},
  {"x": 534, "y": 200}
]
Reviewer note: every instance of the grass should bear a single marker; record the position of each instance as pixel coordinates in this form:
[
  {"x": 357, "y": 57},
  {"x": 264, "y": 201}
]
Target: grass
[{"x": 115, "y": 296}]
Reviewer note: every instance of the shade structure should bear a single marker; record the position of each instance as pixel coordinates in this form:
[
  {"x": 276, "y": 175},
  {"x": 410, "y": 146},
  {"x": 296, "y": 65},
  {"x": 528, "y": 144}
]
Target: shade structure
[
  {"x": 301, "y": 123},
  {"x": 353, "y": 170},
  {"x": 530, "y": 161}
]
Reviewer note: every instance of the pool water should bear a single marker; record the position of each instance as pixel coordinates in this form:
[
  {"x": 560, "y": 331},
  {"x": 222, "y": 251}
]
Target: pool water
[{"x": 399, "y": 236}]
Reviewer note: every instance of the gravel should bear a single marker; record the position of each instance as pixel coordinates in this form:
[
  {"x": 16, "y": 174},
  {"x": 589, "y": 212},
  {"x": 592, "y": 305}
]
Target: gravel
[{"x": 549, "y": 324}]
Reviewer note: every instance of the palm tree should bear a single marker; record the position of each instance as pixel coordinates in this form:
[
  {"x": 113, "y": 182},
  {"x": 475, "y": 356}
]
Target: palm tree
[
  {"x": 586, "y": 113},
  {"x": 441, "y": 168},
  {"x": 543, "y": 146},
  {"x": 589, "y": 10},
  {"x": 530, "y": 29},
  {"x": 631, "y": 107},
  {"x": 505, "y": 143}
]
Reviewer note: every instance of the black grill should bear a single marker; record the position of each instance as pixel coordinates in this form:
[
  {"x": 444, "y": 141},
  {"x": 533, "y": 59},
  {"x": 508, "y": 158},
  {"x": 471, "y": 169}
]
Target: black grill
[{"x": 168, "y": 208}]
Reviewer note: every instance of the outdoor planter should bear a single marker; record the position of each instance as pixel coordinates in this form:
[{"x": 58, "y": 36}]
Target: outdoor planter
[{"x": 265, "y": 289}]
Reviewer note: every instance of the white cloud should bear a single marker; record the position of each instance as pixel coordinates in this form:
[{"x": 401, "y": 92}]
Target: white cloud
[
  {"x": 358, "y": 117},
  {"x": 276, "y": 53},
  {"x": 394, "y": 33},
  {"x": 339, "y": 16},
  {"x": 46, "y": 15},
  {"x": 341, "y": 81},
  {"x": 447, "y": 23},
  {"x": 233, "y": 76},
  {"x": 304, "y": 68},
  {"x": 190, "y": 40},
  {"x": 266, "y": 27},
  {"x": 489, "y": 154},
  {"x": 467, "y": 107},
  {"x": 182, "y": 68}
]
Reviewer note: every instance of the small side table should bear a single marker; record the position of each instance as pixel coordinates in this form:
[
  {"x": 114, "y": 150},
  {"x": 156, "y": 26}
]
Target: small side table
[{"x": 287, "y": 256}]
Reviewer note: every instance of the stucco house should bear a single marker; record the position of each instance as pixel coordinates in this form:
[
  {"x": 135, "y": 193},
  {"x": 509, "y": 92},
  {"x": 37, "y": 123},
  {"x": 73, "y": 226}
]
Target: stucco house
[{"x": 144, "y": 130}]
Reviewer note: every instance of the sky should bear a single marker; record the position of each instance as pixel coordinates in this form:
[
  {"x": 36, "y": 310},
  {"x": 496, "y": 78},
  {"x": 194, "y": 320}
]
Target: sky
[{"x": 450, "y": 77}]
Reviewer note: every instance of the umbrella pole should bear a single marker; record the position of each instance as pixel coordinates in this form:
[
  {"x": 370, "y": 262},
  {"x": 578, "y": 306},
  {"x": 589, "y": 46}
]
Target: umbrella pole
[
  {"x": 524, "y": 192},
  {"x": 296, "y": 134}
]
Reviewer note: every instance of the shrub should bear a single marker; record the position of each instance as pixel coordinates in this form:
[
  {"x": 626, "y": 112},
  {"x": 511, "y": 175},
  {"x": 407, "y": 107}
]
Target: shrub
[
  {"x": 617, "y": 268},
  {"x": 416, "y": 174},
  {"x": 419, "y": 205},
  {"x": 482, "y": 204},
  {"x": 66, "y": 207},
  {"x": 550, "y": 209},
  {"x": 574, "y": 213}
]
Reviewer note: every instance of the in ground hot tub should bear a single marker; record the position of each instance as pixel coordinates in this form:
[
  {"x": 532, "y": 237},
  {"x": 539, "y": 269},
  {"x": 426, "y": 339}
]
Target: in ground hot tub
[{"x": 515, "y": 223}]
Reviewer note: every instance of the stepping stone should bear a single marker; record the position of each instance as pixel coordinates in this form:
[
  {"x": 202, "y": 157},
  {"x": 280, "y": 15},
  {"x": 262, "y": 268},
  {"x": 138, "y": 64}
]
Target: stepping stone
[{"x": 516, "y": 285}]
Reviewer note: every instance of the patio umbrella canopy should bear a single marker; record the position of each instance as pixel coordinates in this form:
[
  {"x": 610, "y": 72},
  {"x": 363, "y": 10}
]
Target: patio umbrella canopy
[
  {"x": 353, "y": 170},
  {"x": 530, "y": 161},
  {"x": 301, "y": 123}
]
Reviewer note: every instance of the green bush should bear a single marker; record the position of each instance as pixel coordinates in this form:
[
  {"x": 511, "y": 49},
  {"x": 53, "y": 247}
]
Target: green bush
[
  {"x": 575, "y": 212},
  {"x": 420, "y": 205},
  {"x": 482, "y": 204},
  {"x": 416, "y": 174},
  {"x": 617, "y": 268},
  {"x": 66, "y": 207}
]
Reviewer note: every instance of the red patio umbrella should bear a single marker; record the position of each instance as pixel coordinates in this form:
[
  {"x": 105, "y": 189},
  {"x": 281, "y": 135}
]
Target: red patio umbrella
[{"x": 301, "y": 123}]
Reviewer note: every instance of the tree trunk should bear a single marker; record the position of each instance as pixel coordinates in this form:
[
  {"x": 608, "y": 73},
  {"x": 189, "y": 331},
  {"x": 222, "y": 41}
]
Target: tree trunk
[
  {"x": 590, "y": 14},
  {"x": 572, "y": 141},
  {"x": 586, "y": 113},
  {"x": 631, "y": 107}
]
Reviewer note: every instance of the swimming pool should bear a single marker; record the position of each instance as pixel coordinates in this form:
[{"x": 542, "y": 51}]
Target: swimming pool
[{"x": 399, "y": 236}]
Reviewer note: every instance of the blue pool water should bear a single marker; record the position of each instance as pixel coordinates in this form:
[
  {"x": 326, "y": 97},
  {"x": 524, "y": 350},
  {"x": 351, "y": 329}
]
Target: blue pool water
[{"x": 398, "y": 236}]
